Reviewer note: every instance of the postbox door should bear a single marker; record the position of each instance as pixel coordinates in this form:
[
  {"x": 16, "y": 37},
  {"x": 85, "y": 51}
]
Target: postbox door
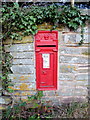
[{"x": 46, "y": 72}]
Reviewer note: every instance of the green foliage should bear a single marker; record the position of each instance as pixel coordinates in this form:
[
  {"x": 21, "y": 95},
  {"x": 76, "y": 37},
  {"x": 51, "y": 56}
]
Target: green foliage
[
  {"x": 70, "y": 110},
  {"x": 14, "y": 113},
  {"x": 17, "y": 22},
  {"x": 82, "y": 36},
  {"x": 71, "y": 16},
  {"x": 6, "y": 64},
  {"x": 38, "y": 96}
]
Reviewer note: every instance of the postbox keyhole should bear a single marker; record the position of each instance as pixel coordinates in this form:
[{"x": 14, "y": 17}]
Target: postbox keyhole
[{"x": 44, "y": 72}]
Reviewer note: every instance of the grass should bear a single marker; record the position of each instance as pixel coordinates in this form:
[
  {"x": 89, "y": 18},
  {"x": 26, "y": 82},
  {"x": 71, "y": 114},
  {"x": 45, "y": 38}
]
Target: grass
[{"x": 22, "y": 112}]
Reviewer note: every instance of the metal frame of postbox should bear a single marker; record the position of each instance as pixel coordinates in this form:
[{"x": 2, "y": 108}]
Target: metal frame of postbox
[{"x": 46, "y": 54}]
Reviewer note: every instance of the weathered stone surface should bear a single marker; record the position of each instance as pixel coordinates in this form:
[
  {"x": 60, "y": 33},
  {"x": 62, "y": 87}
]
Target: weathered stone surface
[
  {"x": 74, "y": 45},
  {"x": 22, "y": 78},
  {"x": 73, "y": 59},
  {"x": 68, "y": 68},
  {"x": 82, "y": 77},
  {"x": 86, "y": 38},
  {"x": 82, "y": 83},
  {"x": 69, "y": 38},
  {"x": 84, "y": 68},
  {"x": 85, "y": 11},
  {"x": 72, "y": 99},
  {"x": 5, "y": 100},
  {"x": 23, "y": 86},
  {"x": 21, "y": 93},
  {"x": 68, "y": 93},
  {"x": 73, "y": 50},
  {"x": 23, "y": 62},
  {"x": 81, "y": 91},
  {"x": 25, "y": 93},
  {"x": 19, "y": 47},
  {"x": 86, "y": 29},
  {"x": 64, "y": 76},
  {"x": 27, "y": 55},
  {"x": 26, "y": 39},
  {"x": 63, "y": 84},
  {"x": 49, "y": 93},
  {"x": 16, "y": 69}
]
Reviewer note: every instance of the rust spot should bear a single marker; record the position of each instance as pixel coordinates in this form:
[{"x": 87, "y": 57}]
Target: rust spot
[{"x": 23, "y": 86}]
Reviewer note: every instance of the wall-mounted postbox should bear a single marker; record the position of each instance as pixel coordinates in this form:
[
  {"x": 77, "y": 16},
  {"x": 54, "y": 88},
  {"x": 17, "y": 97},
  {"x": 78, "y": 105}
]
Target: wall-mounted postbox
[{"x": 46, "y": 52}]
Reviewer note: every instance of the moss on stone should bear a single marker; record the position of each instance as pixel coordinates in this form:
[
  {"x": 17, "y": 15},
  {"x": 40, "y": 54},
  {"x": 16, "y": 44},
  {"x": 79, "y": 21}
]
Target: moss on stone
[{"x": 86, "y": 53}]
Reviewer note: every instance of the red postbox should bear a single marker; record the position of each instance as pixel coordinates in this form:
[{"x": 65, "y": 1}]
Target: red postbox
[{"x": 46, "y": 52}]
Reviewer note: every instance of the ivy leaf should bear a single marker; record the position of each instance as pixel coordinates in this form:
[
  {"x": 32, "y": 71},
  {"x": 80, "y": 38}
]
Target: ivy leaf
[
  {"x": 34, "y": 27},
  {"x": 10, "y": 90},
  {"x": 16, "y": 5}
]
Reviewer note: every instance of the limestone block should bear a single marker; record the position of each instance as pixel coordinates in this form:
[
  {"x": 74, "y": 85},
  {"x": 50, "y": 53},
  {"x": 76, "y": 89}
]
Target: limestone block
[
  {"x": 27, "y": 55},
  {"x": 24, "y": 93},
  {"x": 19, "y": 47},
  {"x": 68, "y": 68},
  {"x": 49, "y": 93},
  {"x": 16, "y": 69},
  {"x": 73, "y": 50},
  {"x": 23, "y": 86},
  {"x": 82, "y": 77},
  {"x": 23, "y": 62},
  {"x": 73, "y": 59},
  {"x": 22, "y": 78},
  {"x": 71, "y": 99},
  {"x": 68, "y": 38},
  {"x": 84, "y": 68},
  {"x": 65, "y": 76},
  {"x": 82, "y": 83},
  {"x": 85, "y": 11},
  {"x": 86, "y": 29},
  {"x": 5, "y": 100},
  {"x": 81, "y": 91},
  {"x": 67, "y": 84},
  {"x": 26, "y": 39},
  {"x": 66, "y": 92},
  {"x": 86, "y": 38}
]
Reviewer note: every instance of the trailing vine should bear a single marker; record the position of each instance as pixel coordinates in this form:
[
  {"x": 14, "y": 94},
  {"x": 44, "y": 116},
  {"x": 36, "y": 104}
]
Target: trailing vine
[
  {"x": 6, "y": 64},
  {"x": 18, "y": 22}
]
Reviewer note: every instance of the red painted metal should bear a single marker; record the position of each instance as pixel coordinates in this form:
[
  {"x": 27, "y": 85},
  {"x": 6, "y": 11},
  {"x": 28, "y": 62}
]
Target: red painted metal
[{"x": 46, "y": 52}]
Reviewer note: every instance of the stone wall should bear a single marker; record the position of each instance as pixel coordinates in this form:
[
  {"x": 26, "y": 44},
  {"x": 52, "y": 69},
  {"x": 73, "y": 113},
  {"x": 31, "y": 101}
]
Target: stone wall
[{"x": 73, "y": 66}]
